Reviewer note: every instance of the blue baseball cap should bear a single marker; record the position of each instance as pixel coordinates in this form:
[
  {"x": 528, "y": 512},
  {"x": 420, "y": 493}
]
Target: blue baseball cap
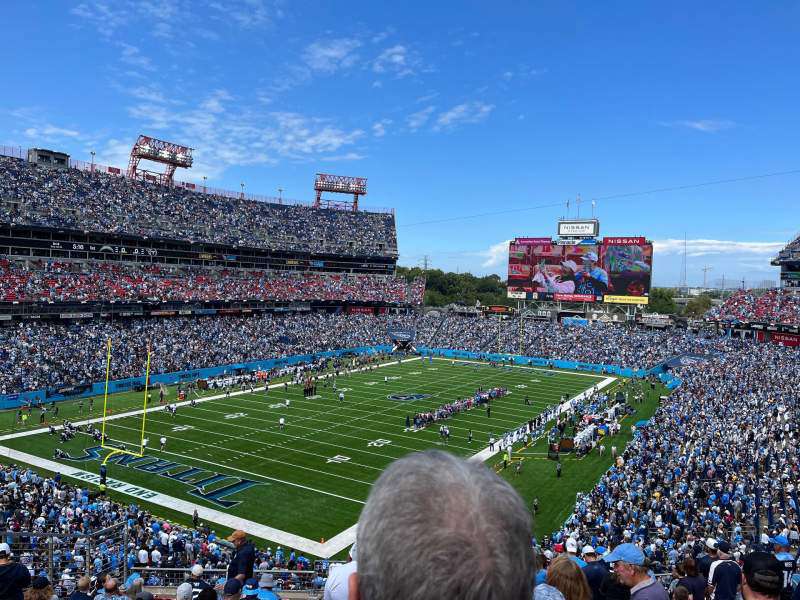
[
  {"x": 628, "y": 553},
  {"x": 600, "y": 550},
  {"x": 250, "y": 587},
  {"x": 781, "y": 540}
]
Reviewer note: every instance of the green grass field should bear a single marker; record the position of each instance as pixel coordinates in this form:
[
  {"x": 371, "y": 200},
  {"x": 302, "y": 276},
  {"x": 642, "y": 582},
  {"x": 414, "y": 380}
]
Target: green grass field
[{"x": 312, "y": 478}]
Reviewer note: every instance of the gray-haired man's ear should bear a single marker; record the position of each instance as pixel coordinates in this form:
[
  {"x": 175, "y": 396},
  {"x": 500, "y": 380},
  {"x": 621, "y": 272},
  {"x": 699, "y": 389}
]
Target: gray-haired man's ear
[{"x": 352, "y": 584}]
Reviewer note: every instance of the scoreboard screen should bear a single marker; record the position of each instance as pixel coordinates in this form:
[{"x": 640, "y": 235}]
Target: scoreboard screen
[{"x": 614, "y": 270}]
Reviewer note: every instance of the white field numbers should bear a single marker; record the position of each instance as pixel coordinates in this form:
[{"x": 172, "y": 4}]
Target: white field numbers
[
  {"x": 237, "y": 415},
  {"x": 339, "y": 458},
  {"x": 379, "y": 443}
]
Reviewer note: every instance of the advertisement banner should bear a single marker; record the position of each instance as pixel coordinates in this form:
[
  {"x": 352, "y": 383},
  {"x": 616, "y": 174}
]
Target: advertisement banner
[
  {"x": 608, "y": 299},
  {"x": 623, "y": 241},
  {"x": 585, "y": 228},
  {"x": 77, "y": 315},
  {"x": 529, "y": 241},
  {"x": 517, "y": 295},
  {"x": 574, "y": 297},
  {"x": 786, "y": 339}
]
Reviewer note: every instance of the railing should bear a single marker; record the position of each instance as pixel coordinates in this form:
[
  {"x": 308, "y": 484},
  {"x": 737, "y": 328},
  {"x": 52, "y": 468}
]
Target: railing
[
  {"x": 93, "y": 167},
  {"x": 46, "y": 551},
  {"x": 284, "y": 579}
]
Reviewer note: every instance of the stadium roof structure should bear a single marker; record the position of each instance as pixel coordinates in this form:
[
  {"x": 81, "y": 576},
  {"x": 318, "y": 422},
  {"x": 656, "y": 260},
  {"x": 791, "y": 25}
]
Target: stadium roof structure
[
  {"x": 789, "y": 254},
  {"x": 339, "y": 184}
]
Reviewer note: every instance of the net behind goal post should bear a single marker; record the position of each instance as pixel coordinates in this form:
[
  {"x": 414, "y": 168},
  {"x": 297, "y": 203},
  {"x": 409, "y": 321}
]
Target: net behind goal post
[{"x": 124, "y": 439}]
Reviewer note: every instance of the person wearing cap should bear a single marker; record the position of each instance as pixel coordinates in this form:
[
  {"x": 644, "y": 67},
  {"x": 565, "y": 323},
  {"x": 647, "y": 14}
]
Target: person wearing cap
[
  {"x": 232, "y": 590},
  {"x": 629, "y": 566},
  {"x": 707, "y": 557},
  {"x": 110, "y": 591},
  {"x": 762, "y": 577},
  {"x": 13, "y": 576},
  {"x": 596, "y": 570},
  {"x": 241, "y": 566},
  {"x": 572, "y": 552},
  {"x": 198, "y": 583},
  {"x": 184, "y": 591},
  {"x": 725, "y": 575},
  {"x": 250, "y": 589},
  {"x": 782, "y": 546},
  {"x": 337, "y": 587},
  {"x": 591, "y": 278},
  {"x": 265, "y": 587},
  {"x": 561, "y": 284}
]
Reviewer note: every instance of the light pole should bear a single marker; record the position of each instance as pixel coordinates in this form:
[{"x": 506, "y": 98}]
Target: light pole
[
  {"x": 92, "y": 153},
  {"x": 242, "y": 184},
  {"x": 205, "y": 189},
  {"x": 280, "y": 195}
]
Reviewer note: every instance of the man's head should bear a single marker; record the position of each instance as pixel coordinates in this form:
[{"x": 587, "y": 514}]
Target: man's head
[
  {"x": 711, "y": 546},
  {"x": 629, "y": 564},
  {"x": 781, "y": 543},
  {"x": 111, "y": 585},
  {"x": 197, "y": 571},
  {"x": 724, "y": 550},
  {"x": 266, "y": 582},
  {"x": 83, "y": 584},
  {"x": 5, "y": 552},
  {"x": 238, "y": 537},
  {"x": 762, "y": 576},
  {"x": 184, "y": 591},
  {"x": 438, "y": 526},
  {"x": 589, "y": 554},
  {"x": 232, "y": 589},
  {"x": 572, "y": 546},
  {"x": 250, "y": 588}
]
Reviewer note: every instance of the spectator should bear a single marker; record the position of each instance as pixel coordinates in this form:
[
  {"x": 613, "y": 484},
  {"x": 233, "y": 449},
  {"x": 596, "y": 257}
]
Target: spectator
[
  {"x": 184, "y": 591},
  {"x": 762, "y": 577},
  {"x": 596, "y": 570},
  {"x": 241, "y": 565},
  {"x": 81, "y": 589},
  {"x": 40, "y": 590},
  {"x": 232, "y": 590},
  {"x": 265, "y": 588},
  {"x": 412, "y": 545},
  {"x": 197, "y": 581},
  {"x": 132, "y": 590},
  {"x": 566, "y": 576},
  {"x": 725, "y": 575},
  {"x": 629, "y": 565},
  {"x": 110, "y": 591},
  {"x": 692, "y": 580},
  {"x": 337, "y": 587},
  {"x": 13, "y": 576}
]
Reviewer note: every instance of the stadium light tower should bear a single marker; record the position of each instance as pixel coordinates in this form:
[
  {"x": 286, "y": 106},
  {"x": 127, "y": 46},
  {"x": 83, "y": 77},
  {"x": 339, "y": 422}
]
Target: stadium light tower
[
  {"x": 339, "y": 184},
  {"x": 167, "y": 153}
]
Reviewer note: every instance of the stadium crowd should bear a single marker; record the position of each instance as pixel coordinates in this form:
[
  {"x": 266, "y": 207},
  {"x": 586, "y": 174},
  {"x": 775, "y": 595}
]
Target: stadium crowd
[
  {"x": 772, "y": 306},
  {"x": 54, "y": 281},
  {"x": 81, "y": 200},
  {"x": 712, "y": 479},
  {"x": 38, "y": 354}
]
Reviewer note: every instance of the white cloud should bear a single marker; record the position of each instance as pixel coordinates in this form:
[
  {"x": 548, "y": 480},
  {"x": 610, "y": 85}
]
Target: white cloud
[
  {"x": 131, "y": 55},
  {"x": 100, "y": 15},
  {"x": 329, "y": 56},
  {"x": 379, "y": 128},
  {"x": 468, "y": 112},
  {"x": 495, "y": 255},
  {"x": 419, "y": 118},
  {"x": 705, "y": 247},
  {"x": 344, "y": 157},
  {"x": 396, "y": 59},
  {"x": 704, "y": 125},
  {"x": 50, "y": 132}
]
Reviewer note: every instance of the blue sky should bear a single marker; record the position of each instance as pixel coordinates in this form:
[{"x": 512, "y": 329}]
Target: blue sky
[{"x": 450, "y": 109}]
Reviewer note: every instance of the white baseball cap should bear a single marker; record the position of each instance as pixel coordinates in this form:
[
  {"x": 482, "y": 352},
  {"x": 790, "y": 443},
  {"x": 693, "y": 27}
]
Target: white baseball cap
[
  {"x": 572, "y": 545},
  {"x": 587, "y": 549},
  {"x": 711, "y": 543},
  {"x": 197, "y": 570},
  {"x": 5, "y": 549}
]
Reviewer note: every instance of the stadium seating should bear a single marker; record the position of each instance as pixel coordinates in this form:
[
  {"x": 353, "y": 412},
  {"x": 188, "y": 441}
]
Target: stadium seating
[
  {"x": 53, "y": 281},
  {"x": 33, "y": 195},
  {"x": 772, "y": 306}
]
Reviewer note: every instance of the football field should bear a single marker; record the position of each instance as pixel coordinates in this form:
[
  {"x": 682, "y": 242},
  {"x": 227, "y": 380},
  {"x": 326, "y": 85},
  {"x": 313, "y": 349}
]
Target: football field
[{"x": 309, "y": 479}]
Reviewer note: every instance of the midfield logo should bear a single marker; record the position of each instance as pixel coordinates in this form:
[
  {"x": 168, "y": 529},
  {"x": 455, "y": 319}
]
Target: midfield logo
[
  {"x": 199, "y": 479},
  {"x": 407, "y": 397}
]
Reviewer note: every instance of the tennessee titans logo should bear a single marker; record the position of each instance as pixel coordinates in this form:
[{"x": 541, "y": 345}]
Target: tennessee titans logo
[{"x": 407, "y": 397}]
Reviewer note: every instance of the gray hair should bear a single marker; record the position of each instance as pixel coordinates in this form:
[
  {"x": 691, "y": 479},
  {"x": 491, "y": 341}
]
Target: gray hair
[{"x": 437, "y": 526}]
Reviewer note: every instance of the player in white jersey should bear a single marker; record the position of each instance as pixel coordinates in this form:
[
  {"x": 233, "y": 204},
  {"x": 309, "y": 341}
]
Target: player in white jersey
[
  {"x": 163, "y": 442},
  {"x": 281, "y": 423},
  {"x": 341, "y": 396},
  {"x": 287, "y": 403},
  {"x": 145, "y": 441}
]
